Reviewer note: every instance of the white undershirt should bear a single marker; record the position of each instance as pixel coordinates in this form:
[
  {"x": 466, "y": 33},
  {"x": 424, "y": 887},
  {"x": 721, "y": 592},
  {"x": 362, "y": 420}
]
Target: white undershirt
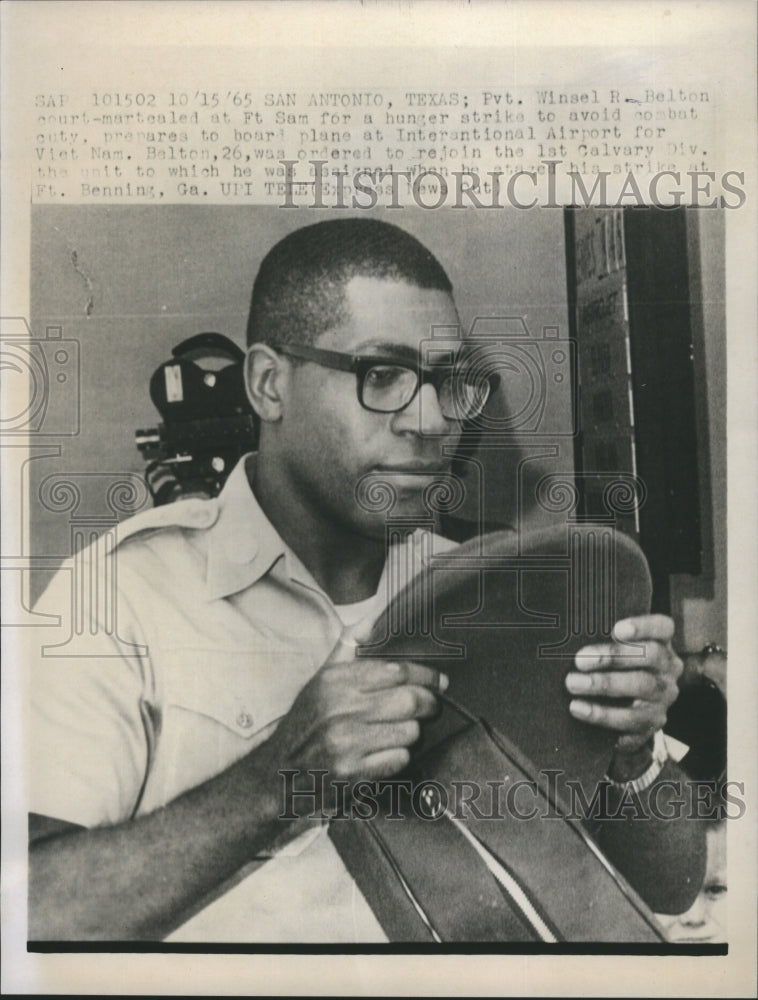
[{"x": 367, "y": 610}]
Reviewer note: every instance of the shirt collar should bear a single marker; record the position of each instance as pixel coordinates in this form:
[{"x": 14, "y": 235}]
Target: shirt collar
[{"x": 243, "y": 544}]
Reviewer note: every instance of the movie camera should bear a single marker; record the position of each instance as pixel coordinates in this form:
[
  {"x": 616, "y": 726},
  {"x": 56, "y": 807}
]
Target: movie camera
[{"x": 208, "y": 423}]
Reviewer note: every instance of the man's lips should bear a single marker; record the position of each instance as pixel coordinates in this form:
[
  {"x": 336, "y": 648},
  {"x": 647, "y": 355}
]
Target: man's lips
[{"x": 412, "y": 468}]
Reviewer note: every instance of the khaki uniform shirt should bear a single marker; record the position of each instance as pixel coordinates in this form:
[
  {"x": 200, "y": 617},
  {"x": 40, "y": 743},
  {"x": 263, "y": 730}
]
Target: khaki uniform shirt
[{"x": 196, "y": 630}]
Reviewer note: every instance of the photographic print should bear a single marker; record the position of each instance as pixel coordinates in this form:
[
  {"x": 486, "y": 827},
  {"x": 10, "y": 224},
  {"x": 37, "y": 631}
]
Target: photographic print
[{"x": 369, "y": 501}]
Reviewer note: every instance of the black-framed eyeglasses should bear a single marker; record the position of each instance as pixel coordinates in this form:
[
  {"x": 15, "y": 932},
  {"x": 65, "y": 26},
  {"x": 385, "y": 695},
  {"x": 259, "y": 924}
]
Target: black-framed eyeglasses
[{"x": 388, "y": 385}]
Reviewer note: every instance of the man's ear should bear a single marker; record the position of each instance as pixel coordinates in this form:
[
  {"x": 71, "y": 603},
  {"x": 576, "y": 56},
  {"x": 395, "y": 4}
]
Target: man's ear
[{"x": 264, "y": 375}]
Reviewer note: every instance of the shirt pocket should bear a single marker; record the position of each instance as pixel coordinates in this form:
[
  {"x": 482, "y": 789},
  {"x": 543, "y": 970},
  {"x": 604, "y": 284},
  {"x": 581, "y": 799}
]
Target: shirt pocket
[{"x": 216, "y": 706}]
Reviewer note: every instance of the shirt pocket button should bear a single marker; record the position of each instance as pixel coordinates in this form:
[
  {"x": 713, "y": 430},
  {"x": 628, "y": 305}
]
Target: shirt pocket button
[{"x": 244, "y": 720}]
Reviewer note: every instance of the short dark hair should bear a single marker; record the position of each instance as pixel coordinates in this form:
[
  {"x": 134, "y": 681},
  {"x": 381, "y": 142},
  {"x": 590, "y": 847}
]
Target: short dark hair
[{"x": 299, "y": 292}]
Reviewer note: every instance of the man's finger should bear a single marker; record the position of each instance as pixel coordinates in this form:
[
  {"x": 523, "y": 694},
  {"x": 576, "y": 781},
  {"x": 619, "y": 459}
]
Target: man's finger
[
  {"x": 386, "y": 735},
  {"x": 349, "y": 741},
  {"x": 409, "y": 701},
  {"x": 376, "y": 675},
  {"x": 636, "y": 718},
  {"x": 642, "y": 684},
  {"x": 659, "y": 627},
  {"x": 384, "y": 763},
  {"x": 633, "y": 656}
]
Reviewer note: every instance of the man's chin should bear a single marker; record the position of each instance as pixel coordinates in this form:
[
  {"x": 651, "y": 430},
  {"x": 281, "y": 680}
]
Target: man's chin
[{"x": 408, "y": 512}]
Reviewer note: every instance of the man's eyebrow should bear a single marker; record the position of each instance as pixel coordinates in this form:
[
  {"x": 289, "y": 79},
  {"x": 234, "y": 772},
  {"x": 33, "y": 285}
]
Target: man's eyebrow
[
  {"x": 403, "y": 352},
  {"x": 391, "y": 349}
]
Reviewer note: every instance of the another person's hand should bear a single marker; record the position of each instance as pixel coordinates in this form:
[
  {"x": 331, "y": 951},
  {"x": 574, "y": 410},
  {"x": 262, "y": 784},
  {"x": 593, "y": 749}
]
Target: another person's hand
[{"x": 639, "y": 667}]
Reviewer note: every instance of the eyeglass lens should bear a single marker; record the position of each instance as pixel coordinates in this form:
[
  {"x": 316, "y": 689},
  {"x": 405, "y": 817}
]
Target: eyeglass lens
[{"x": 389, "y": 388}]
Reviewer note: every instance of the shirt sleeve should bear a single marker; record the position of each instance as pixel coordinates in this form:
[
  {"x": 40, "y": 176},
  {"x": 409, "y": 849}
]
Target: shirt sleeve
[{"x": 89, "y": 715}]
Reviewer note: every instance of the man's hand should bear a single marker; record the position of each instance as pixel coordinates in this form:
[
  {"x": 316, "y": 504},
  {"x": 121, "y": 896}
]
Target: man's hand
[
  {"x": 354, "y": 719},
  {"x": 357, "y": 719},
  {"x": 640, "y": 667}
]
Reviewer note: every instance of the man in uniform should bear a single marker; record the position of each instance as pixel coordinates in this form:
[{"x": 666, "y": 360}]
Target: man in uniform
[{"x": 156, "y": 767}]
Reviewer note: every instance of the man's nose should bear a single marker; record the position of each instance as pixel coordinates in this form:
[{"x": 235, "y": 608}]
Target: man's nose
[{"x": 423, "y": 415}]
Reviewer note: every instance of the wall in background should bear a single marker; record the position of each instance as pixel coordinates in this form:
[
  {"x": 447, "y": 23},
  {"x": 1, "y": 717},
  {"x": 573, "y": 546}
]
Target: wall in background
[{"x": 699, "y": 603}]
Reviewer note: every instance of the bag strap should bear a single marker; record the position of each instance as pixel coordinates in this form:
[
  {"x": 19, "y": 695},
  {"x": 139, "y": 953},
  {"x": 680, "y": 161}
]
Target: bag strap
[{"x": 556, "y": 802}]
